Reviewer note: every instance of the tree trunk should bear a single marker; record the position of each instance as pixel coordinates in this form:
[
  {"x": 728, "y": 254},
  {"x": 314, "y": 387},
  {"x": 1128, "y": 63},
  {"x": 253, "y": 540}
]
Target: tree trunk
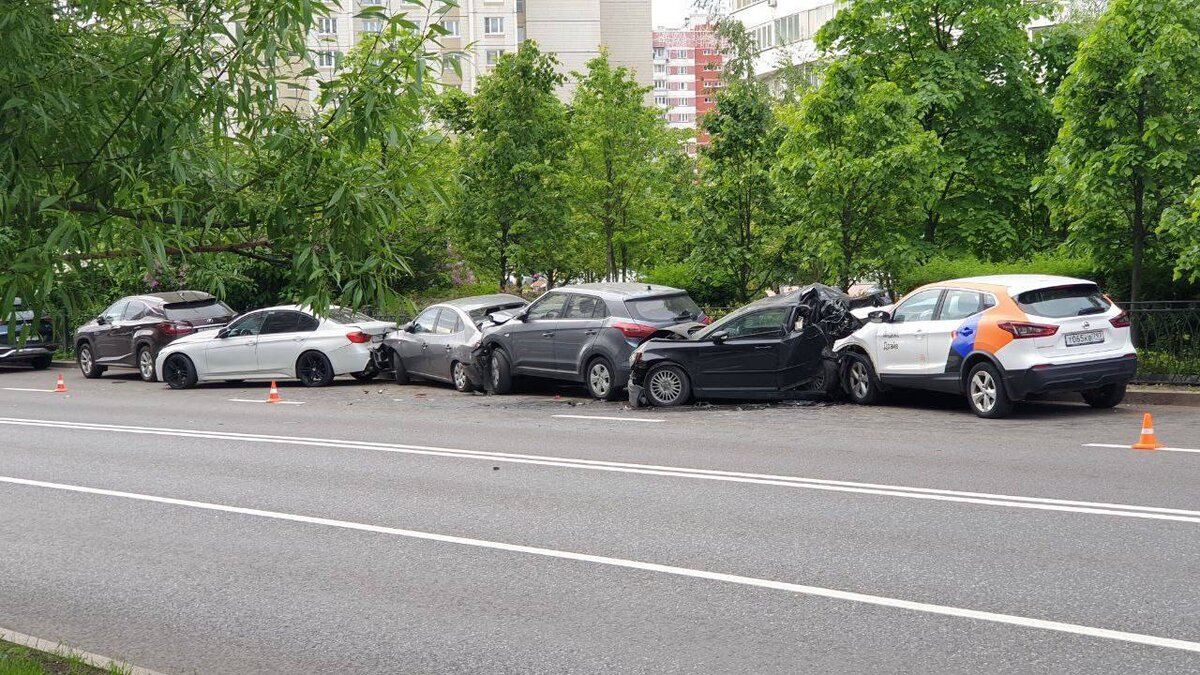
[
  {"x": 503, "y": 258},
  {"x": 1139, "y": 210},
  {"x": 624, "y": 262},
  {"x": 608, "y": 242}
]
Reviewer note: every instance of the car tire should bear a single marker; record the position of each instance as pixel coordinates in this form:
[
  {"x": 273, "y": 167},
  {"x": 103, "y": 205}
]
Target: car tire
[
  {"x": 459, "y": 377},
  {"x": 313, "y": 369},
  {"x": 861, "y": 383},
  {"x": 600, "y": 379},
  {"x": 501, "y": 373},
  {"x": 667, "y": 386},
  {"x": 42, "y": 362},
  {"x": 398, "y": 369},
  {"x": 86, "y": 358},
  {"x": 826, "y": 383},
  {"x": 985, "y": 392},
  {"x": 1108, "y": 396},
  {"x": 179, "y": 372},
  {"x": 145, "y": 363}
]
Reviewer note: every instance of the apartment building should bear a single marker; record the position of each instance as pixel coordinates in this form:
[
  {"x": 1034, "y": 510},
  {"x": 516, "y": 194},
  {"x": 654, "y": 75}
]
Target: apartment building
[
  {"x": 687, "y": 75},
  {"x": 480, "y": 31}
]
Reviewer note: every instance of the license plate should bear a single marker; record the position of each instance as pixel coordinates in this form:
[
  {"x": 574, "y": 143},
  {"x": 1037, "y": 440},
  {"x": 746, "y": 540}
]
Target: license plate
[{"x": 1090, "y": 337}]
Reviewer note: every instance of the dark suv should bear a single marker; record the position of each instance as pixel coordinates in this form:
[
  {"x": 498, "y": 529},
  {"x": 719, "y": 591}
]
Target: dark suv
[
  {"x": 582, "y": 333},
  {"x": 131, "y": 331}
]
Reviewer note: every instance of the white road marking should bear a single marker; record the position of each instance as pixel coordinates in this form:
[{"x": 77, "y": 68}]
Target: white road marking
[
  {"x": 97, "y": 660},
  {"x": 799, "y": 589},
  {"x": 602, "y": 417},
  {"x": 1127, "y": 447},
  {"x": 255, "y": 400},
  {"x": 933, "y": 494},
  {"x": 40, "y": 391}
]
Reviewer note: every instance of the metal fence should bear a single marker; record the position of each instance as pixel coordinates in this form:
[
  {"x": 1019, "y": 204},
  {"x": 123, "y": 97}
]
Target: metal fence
[{"x": 1167, "y": 335}]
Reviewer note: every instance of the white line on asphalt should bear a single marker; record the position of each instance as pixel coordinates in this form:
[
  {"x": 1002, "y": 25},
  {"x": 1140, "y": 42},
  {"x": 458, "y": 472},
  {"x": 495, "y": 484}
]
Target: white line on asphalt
[
  {"x": 1128, "y": 447},
  {"x": 602, "y": 417},
  {"x": 40, "y": 391},
  {"x": 255, "y": 400},
  {"x": 934, "y": 494},
  {"x": 104, "y": 662},
  {"x": 799, "y": 589}
]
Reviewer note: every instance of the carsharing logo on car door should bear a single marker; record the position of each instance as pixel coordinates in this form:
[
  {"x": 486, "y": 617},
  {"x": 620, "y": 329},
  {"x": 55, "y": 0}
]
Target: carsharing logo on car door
[{"x": 962, "y": 344}]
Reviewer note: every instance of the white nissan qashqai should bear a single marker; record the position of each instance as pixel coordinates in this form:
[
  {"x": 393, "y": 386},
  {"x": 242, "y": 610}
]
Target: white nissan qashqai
[{"x": 996, "y": 339}]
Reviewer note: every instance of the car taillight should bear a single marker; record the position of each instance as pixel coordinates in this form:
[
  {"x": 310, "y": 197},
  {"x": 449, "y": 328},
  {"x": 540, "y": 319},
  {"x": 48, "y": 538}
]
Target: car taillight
[
  {"x": 1028, "y": 330},
  {"x": 635, "y": 330},
  {"x": 1120, "y": 321},
  {"x": 177, "y": 328},
  {"x": 358, "y": 337}
]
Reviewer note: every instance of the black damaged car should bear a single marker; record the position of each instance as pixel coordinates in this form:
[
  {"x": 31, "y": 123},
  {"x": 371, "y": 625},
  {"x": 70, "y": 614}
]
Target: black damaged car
[{"x": 775, "y": 348}]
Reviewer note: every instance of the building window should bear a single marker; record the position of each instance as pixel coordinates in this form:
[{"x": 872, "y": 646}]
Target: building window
[
  {"x": 493, "y": 56},
  {"x": 659, "y": 69},
  {"x": 326, "y": 59},
  {"x": 371, "y": 3},
  {"x": 372, "y": 25},
  {"x": 660, "y": 100},
  {"x": 680, "y": 53},
  {"x": 660, "y": 84},
  {"x": 763, "y": 36},
  {"x": 660, "y": 52},
  {"x": 451, "y": 26},
  {"x": 326, "y": 25},
  {"x": 493, "y": 25}
]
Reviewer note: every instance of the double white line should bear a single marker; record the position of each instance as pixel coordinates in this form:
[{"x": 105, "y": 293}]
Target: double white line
[{"x": 876, "y": 489}]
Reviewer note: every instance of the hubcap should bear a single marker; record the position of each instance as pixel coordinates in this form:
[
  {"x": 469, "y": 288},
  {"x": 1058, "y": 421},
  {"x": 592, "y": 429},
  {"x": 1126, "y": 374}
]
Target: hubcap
[
  {"x": 147, "y": 364},
  {"x": 600, "y": 379},
  {"x": 859, "y": 382},
  {"x": 983, "y": 391},
  {"x": 460, "y": 376},
  {"x": 85, "y": 360},
  {"x": 666, "y": 386}
]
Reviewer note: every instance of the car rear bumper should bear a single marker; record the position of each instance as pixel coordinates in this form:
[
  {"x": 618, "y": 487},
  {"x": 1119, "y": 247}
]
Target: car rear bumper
[
  {"x": 9, "y": 353},
  {"x": 1070, "y": 377}
]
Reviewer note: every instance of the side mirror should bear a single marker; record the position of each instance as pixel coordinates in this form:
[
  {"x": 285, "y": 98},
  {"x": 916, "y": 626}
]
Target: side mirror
[
  {"x": 101, "y": 320},
  {"x": 879, "y": 316},
  {"x": 719, "y": 337},
  {"x": 407, "y": 328},
  {"x": 223, "y": 333}
]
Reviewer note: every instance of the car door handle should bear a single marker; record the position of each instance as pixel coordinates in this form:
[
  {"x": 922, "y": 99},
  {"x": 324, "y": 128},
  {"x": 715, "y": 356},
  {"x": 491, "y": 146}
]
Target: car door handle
[
  {"x": 547, "y": 334},
  {"x": 449, "y": 349},
  {"x": 966, "y": 331},
  {"x": 764, "y": 347},
  {"x": 590, "y": 332}
]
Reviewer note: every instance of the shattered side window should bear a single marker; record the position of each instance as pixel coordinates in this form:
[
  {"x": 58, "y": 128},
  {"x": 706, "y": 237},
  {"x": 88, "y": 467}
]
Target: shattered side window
[{"x": 767, "y": 323}]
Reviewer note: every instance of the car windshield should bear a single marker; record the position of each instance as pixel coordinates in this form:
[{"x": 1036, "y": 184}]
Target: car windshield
[
  {"x": 478, "y": 315},
  {"x": 346, "y": 316},
  {"x": 665, "y": 308},
  {"x": 202, "y": 310},
  {"x": 1064, "y": 301}
]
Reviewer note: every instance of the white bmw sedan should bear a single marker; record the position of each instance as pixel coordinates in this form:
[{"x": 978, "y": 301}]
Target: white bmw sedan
[{"x": 287, "y": 342}]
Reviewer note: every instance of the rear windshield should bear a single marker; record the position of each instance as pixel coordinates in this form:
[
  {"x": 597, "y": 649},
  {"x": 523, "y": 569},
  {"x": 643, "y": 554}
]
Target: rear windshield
[
  {"x": 1064, "y": 301},
  {"x": 677, "y": 308},
  {"x": 478, "y": 315},
  {"x": 346, "y": 316},
  {"x": 200, "y": 310}
]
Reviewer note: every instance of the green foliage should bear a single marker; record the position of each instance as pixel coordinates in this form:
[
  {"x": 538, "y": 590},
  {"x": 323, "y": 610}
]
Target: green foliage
[
  {"x": 941, "y": 268},
  {"x": 1129, "y": 146}
]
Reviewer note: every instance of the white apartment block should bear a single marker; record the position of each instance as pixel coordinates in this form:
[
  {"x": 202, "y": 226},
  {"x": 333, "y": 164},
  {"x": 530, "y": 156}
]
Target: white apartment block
[{"x": 480, "y": 31}]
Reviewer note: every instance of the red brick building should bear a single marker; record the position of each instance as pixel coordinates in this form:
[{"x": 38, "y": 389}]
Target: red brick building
[{"x": 687, "y": 75}]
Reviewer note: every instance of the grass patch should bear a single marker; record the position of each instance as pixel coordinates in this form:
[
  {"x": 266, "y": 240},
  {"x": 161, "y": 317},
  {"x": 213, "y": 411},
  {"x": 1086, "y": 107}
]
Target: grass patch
[{"x": 20, "y": 660}]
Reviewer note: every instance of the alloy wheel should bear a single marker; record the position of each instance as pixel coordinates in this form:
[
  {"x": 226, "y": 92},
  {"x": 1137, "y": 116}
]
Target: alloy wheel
[
  {"x": 600, "y": 379},
  {"x": 983, "y": 391},
  {"x": 495, "y": 372},
  {"x": 312, "y": 369},
  {"x": 85, "y": 360},
  {"x": 460, "y": 376},
  {"x": 860, "y": 381},
  {"x": 666, "y": 386},
  {"x": 174, "y": 372},
  {"x": 146, "y": 364}
]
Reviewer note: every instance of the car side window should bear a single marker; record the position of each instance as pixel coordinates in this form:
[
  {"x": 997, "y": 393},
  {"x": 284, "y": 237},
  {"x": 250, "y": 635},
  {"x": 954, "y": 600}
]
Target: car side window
[
  {"x": 115, "y": 311},
  {"x": 961, "y": 304},
  {"x": 251, "y": 324},
  {"x": 135, "y": 311},
  {"x": 919, "y": 307},
  {"x": 289, "y": 322},
  {"x": 583, "y": 307},
  {"x": 427, "y": 321},
  {"x": 446, "y": 322},
  {"x": 764, "y": 324},
  {"x": 548, "y": 307},
  {"x": 601, "y": 310}
]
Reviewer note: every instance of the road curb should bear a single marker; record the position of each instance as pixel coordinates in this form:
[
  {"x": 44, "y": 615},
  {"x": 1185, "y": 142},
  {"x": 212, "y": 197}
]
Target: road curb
[
  {"x": 1140, "y": 396},
  {"x": 52, "y": 647},
  {"x": 65, "y": 365}
]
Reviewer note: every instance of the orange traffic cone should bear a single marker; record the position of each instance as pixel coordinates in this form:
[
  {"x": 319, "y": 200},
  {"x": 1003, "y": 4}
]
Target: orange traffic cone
[
  {"x": 1148, "y": 441},
  {"x": 61, "y": 387},
  {"x": 274, "y": 397}
]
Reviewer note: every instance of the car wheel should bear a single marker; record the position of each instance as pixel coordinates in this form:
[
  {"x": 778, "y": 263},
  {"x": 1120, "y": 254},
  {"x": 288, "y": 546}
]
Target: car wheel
[
  {"x": 87, "y": 362},
  {"x": 501, "y": 371},
  {"x": 398, "y": 370},
  {"x": 313, "y": 369},
  {"x": 826, "y": 382},
  {"x": 668, "y": 386},
  {"x": 458, "y": 373},
  {"x": 145, "y": 361},
  {"x": 861, "y": 384},
  {"x": 42, "y": 362},
  {"x": 986, "y": 394},
  {"x": 1108, "y": 396},
  {"x": 179, "y": 372},
  {"x": 601, "y": 380},
  {"x": 366, "y": 375}
]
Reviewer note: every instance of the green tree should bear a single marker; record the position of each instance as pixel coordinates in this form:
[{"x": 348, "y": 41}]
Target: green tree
[
  {"x": 157, "y": 131},
  {"x": 965, "y": 63},
  {"x": 618, "y": 146},
  {"x": 1129, "y": 146},
  {"x": 511, "y": 211},
  {"x": 857, "y": 161}
]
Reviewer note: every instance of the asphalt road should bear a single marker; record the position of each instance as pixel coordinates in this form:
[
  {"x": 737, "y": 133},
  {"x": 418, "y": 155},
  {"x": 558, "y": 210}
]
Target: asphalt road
[{"x": 378, "y": 529}]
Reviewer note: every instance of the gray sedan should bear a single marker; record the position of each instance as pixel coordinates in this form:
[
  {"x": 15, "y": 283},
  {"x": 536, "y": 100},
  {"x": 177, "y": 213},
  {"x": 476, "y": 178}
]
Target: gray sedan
[{"x": 437, "y": 345}]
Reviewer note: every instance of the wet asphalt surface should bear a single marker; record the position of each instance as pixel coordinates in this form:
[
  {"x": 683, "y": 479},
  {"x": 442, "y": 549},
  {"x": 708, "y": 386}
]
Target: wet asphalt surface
[{"x": 801, "y": 493}]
